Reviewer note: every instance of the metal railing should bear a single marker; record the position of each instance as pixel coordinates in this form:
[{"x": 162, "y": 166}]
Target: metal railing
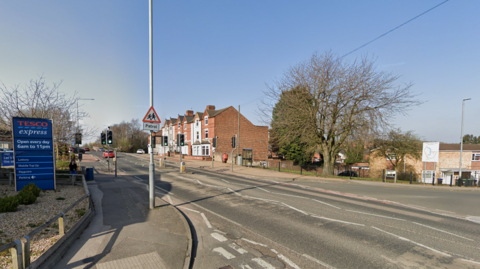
[{"x": 20, "y": 248}]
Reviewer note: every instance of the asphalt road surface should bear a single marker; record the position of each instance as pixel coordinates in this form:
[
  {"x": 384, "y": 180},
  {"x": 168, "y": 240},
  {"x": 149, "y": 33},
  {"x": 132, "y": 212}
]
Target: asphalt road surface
[{"x": 246, "y": 223}]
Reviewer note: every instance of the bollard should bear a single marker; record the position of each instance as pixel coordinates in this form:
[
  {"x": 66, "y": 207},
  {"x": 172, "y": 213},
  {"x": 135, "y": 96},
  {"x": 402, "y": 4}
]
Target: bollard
[
  {"x": 26, "y": 251},
  {"x": 451, "y": 180},
  {"x": 410, "y": 177},
  {"x": 61, "y": 225},
  {"x": 279, "y": 167}
]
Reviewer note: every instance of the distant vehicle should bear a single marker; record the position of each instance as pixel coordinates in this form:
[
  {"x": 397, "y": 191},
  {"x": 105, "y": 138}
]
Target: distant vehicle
[
  {"x": 348, "y": 174},
  {"x": 108, "y": 154},
  {"x": 101, "y": 149},
  {"x": 87, "y": 149},
  {"x": 76, "y": 150},
  {"x": 140, "y": 151}
]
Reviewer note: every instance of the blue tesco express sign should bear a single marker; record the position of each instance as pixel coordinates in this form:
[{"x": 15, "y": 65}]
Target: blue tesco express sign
[{"x": 34, "y": 157}]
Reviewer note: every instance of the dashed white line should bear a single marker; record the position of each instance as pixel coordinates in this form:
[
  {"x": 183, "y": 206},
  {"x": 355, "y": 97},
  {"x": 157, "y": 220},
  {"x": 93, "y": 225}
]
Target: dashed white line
[
  {"x": 336, "y": 220},
  {"x": 206, "y": 220},
  {"x": 199, "y": 182},
  {"x": 245, "y": 266},
  {"x": 470, "y": 261},
  {"x": 303, "y": 212},
  {"x": 253, "y": 242},
  {"x": 263, "y": 189},
  {"x": 326, "y": 204},
  {"x": 263, "y": 263},
  {"x": 224, "y": 253},
  {"x": 443, "y": 231},
  {"x": 318, "y": 261},
  {"x": 408, "y": 240},
  {"x": 219, "y": 237},
  {"x": 237, "y": 248},
  {"x": 373, "y": 215},
  {"x": 138, "y": 178},
  {"x": 225, "y": 180},
  {"x": 169, "y": 200}
]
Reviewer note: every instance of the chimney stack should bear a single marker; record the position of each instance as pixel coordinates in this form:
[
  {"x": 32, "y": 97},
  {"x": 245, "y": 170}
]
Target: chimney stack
[
  {"x": 210, "y": 107},
  {"x": 189, "y": 113}
]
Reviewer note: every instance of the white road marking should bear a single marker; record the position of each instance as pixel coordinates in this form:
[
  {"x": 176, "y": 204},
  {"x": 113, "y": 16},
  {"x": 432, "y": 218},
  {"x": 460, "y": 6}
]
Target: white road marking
[
  {"x": 189, "y": 209},
  {"x": 268, "y": 200},
  {"x": 263, "y": 189},
  {"x": 169, "y": 200},
  {"x": 303, "y": 212},
  {"x": 318, "y": 261},
  {"x": 336, "y": 220},
  {"x": 225, "y": 180},
  {"x": 373, "y": 215},
  {"x": 470, "y": 261},
  {"x": 171, "y": 193},
  {"x": 253, "y": 242},
  {"x": 413, "y": 242},
  {"x": 245, "y": 266},
  {"x": 199, "y": 182},
  {"x": 234, "y": 192},
  {"x": 141, "y": 183},
  {"x": 242, "y": 185},
  {"x": 138, "y": 178},
  {"x": 218, "y": 231},
  {"x": 263, "y": 263},
  {"x": 443, "y": 231},
  {"x": 206, "y": 220},
  {"x": 285, "y": 259},
  {"x": 224, "y": 253},
  {"x": 326, "y": 204},
  {"x": 237, "y": 248},
  {"x": 219, "y": 237}
]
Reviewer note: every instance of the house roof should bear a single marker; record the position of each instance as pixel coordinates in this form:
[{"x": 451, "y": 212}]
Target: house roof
[
  {"x": 189, "y": 118},
  {"x": 180, "y": 118},
  {"x": 173, "y": 121},
  {"x": 213, "y": 113},
  {"x": 456, "y": 147},
  {"x": 200, "y": 115}
]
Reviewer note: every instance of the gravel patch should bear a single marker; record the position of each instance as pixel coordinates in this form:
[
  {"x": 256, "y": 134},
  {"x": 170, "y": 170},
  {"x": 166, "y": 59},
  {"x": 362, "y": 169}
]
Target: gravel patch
[{"x": 14, "y": 225}]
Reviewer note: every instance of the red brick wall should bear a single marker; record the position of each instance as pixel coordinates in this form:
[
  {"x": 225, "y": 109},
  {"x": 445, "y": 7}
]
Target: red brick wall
[{"x": 251, "y": 136}]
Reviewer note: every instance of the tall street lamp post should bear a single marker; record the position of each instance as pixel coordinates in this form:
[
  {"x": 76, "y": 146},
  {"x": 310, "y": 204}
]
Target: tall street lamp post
[{"x": 461, "y": 138}]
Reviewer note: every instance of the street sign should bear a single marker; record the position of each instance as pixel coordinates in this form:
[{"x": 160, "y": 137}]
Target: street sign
[
  {"x": 7, "y": 159},
  {"x": 151, "y": 126},
  {"x": 33, "y": 153},
  {"x": 151, "y": 116}
]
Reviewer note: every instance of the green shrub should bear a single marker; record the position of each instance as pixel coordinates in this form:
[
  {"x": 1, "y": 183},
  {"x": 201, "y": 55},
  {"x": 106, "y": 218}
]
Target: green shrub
[
  {"x": 8, "y": 204},
  {"x": 31, "y": 187},
  {"x": 25, "y": 197}
]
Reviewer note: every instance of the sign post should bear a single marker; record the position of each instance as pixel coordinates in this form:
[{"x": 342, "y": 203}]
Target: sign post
[
  {"x": 34, "y": 157},
  {"x": 151, "y": 123}
]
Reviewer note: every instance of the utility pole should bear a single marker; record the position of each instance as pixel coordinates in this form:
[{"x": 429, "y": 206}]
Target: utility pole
[
  {"x": 151, "y": 166},
  {"x": 238, "y": 136}
]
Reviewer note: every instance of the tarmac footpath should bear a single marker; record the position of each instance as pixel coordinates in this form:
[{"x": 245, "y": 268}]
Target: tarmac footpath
[{"x": 125, "y": 233}]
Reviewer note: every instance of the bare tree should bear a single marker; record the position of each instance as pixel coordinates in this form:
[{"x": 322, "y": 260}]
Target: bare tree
[
  {"x": 396, "y": 145},
  {"x": 129, "y": 136},
  {"x": 39, "y": 100},
  {"x": 337, "y": 100}
]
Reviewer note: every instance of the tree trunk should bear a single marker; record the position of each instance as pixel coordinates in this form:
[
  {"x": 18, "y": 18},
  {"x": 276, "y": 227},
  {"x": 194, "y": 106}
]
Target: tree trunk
[{"x": 328, "y": 164}]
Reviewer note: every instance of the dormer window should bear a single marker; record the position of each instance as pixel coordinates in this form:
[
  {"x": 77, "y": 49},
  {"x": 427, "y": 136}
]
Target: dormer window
[
  {"x": 206, "y": 120},
  {"x": 179, "y": 125}
]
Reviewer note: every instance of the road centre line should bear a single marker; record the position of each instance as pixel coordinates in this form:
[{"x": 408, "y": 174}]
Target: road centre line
[
  {"x": 224, "y": 253},
  {"x": 336, "y": 220},
  {"x": 326, "y": 204},
  {"x": 189, "y": 209},
  {"x": 373, "y": 215},
  {"x": 470, "y": 261},
  {"x": 443, "y": 231},
  {"x": 219, "y": 237},
  {"x": 253, "y": 242},
  {"x": 317, "y": 261},
  {"x": 413, "y": 242},
  {"x": 206, "y": 220},
  {"x": 303, "y": 212}
]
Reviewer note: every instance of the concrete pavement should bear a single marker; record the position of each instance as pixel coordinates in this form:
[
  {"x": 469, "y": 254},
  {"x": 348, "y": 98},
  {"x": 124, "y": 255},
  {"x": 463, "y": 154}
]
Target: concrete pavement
[{"x": 125, "y": 233}]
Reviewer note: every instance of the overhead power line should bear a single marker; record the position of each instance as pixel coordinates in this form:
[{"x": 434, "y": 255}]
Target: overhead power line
[{"x": 386, "y": 33}]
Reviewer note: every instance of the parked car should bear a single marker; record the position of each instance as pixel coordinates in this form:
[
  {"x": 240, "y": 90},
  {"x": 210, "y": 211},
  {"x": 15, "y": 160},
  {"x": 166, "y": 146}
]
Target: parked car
[
  {"x": 109, "y": 153},
  {"x": 87, "y": 149},
  {"x": 348, "y": 174},
  {"x": 140, "y": 151}
]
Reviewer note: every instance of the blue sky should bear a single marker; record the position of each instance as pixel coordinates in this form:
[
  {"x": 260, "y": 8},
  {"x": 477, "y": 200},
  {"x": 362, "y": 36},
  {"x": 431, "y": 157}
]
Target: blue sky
[{"x": 224, "y": 53}]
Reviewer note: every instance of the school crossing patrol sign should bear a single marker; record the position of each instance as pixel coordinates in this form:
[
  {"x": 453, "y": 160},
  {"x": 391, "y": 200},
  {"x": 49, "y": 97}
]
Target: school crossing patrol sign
[{"x": 151, "y": 122}]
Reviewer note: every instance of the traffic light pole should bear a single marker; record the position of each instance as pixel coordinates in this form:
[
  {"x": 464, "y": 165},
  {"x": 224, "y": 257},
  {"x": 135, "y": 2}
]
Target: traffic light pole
[{"x": 151, "y": 166}]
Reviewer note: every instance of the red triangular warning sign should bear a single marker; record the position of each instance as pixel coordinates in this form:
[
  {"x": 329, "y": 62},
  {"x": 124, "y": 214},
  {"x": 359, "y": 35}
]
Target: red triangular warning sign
[{"x": 151, "y": 116}]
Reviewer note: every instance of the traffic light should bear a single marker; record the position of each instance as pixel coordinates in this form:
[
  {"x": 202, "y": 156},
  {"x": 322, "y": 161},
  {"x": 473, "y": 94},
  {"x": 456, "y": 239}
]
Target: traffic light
[
  {"x": 109, "y": 137},
  {"x": 180, "y": 140},
  {"x": 153, "y": 141},
  {"x": 102, "y": 138},
  {"x": 214, "y": 142},
  {"x": 78, "y": 138},
  {"x": 233, "y": 142},
  {"x": 165, "y": 140}
]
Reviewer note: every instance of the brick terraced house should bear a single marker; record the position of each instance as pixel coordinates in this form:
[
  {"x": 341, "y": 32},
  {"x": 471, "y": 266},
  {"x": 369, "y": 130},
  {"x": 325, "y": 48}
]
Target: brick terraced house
[{"x": 200, "y": 128}]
